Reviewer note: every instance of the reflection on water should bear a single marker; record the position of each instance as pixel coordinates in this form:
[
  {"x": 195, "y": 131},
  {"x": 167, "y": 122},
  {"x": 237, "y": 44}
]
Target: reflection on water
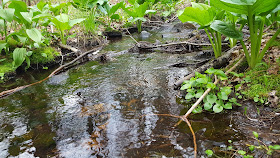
[{"x": 105, "y": 111}]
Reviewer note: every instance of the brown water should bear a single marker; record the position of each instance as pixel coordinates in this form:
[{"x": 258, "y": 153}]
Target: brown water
[{"x": 106, "y": 110}]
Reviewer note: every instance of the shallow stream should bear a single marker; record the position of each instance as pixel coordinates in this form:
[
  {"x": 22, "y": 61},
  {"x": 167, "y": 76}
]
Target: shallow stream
[{"x": 106, "y": 110}]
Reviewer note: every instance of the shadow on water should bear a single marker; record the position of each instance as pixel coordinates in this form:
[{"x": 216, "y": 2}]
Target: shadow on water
[{"x": 106, "y": 110}]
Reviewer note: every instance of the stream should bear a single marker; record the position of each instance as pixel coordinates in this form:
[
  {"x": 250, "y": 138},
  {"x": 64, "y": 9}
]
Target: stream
[{"x": 107, "y": 110}]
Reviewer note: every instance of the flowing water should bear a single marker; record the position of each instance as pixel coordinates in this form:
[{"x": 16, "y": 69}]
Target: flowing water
[{"x": 107, "y": 110}]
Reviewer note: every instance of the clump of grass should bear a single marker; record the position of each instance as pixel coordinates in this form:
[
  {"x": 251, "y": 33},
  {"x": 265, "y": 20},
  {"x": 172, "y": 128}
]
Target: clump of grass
[
  {"x": 43, "y": 55},
  {"x": 261, "y": 82}
]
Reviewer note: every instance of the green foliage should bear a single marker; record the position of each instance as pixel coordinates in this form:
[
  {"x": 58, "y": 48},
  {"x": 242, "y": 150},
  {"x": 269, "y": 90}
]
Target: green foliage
[
  {"x": 209, "y": 19},
  {"x": 255, "y": 10},
  {"x": 137, "y": 12},
  {"x": 63, "y": 23},
  {"x": 217, "y": 99},
  {"x": 19, "y": 56},
  {"x": 258, "y": 83},
  {"x": 110, "y": 11},
  {"x": 43, "y": 55}
]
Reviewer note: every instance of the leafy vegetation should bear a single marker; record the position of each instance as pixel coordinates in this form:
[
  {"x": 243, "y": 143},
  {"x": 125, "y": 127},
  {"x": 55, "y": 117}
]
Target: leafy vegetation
[
  {"x": 229, "y": 150},
  {"x": 218, "y": 99}
]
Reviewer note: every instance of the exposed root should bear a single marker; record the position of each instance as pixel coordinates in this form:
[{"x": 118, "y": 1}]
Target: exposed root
[{"x": 56, "y": 71}]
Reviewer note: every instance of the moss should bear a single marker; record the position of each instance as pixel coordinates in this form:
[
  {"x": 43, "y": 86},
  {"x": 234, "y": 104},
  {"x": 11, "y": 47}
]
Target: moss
[
  {"x": 43, "y": 55},
  {"x": 6, "y": 66},
  {"x": 262, "y": 83}
]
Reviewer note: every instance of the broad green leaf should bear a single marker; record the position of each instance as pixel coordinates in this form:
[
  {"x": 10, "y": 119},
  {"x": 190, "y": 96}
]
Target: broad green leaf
[
  {"x": 64, "y": 18},
  {"x": 252, "y": 147},
  {"x": 222, "y": 95},
  {"x": 257, "y": 7},
  {"x": 186, "y": 86},
  {"x": 266, "y": 6},
  {"x": 208, "y": 106},
  {"x": 2, "y": 46},
  {"x": 199, "y": 93},
  {"x": 211, "y": 85},
  {"x": 226, "y": 29},
  {"x": 6, "y": 1},
  {"x": 275, "y": 147},
  {"x": 7, "y": 14},
  {"x": 189, "y": 96},
  {"x": 241, "y": 152},
  {"x": 226, "y": 90},
  {"x": 202, "y": 80},
  {"x": 74, "y": 22},
  {"x": 228, "y": 105},
  {"x": 2, "y": 24},
  {"x": 138, "y": 18},
  {"x": 140, "y": 11},
  {"x": 27, "y": 16},
  {"x": 235, "y": 8},
  {"x": 211, "y": 98},
  {"x": 209, "y": 153},
  {"x": 240, "y": 2},
  {"x": 115, "y": 16},
  {"x": 201, "y": 17},
  {"x": 197, "y": 110},
  {"x": 211, "y": 71},
  {"x": 19, "y": 6},
  {"x": 256, "y": 135},
  {"x": 34, "y": 34},
  {"x": 218, "y": 108},
  {"x": 18, "y": 56},
  {"x": 27, "y": 60},
  {"x": 220, "y": 73},
  {"x": 41, "y": 5},
  {"x": 115, "y": 8},
  {"x": 200, "y": 6}
]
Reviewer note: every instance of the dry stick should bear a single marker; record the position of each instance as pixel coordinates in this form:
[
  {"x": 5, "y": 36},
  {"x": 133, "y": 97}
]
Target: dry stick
[
  {"x": 131, "y": 36},
  {"x": 11, "y": 91}
]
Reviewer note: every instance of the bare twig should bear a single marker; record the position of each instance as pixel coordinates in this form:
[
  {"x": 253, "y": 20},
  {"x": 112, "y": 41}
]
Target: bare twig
[{"x": 131, "y": 36}]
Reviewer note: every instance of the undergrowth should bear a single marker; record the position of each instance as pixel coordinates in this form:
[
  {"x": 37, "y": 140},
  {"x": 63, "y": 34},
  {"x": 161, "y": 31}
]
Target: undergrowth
[{"x": 262, "y": 82}]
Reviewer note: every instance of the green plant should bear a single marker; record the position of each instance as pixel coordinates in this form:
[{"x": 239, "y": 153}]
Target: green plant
[
  {"x": 209, "y": 19},
  {"x": 262, "y": 146},
  {"x": 110, "y": 11},
  {"x": 216, "y": 100},
  {"x": 63, "y": 23},
  {"x": 255, "y": 10},
  {"x": 137, "y": 12},
  {"x": 20, "y": 55}
]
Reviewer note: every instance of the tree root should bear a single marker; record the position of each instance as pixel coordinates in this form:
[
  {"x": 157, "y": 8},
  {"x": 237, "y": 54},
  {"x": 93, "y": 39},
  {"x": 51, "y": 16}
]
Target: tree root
[{"x": 56, "y": 71}]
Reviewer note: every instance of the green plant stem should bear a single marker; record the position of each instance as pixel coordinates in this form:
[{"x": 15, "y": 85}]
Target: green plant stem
[
  {"x": 259, "y": 39},
  {"x": 63, "y": 41},
  {"x": 268, "y": 44},
  {"x": 253, "y": 37},
  {"x": 245, "y": 51},
  {"x": 139, "y": 23},
  {"x": 219, "y": 43},
  {"x": 6, "y": 35},
  {"x": 211, "y": 41}
]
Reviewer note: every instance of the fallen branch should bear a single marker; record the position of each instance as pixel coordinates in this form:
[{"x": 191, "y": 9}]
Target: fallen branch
[{"x": 56, "y": 71}]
